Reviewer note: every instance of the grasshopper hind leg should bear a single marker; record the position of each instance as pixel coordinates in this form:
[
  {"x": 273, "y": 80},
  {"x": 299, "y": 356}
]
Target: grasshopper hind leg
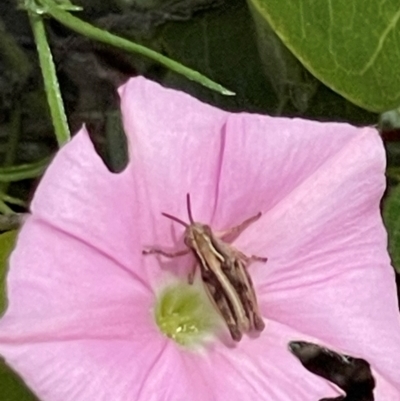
[
  {"x": 224, "y": 308},
  {"x": 235, "y": 231}
]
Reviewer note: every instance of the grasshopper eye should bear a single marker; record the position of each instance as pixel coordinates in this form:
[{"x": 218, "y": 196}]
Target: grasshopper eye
[
  {"x": 188, "y": 241},
  {"x": 207, "y": 230}
]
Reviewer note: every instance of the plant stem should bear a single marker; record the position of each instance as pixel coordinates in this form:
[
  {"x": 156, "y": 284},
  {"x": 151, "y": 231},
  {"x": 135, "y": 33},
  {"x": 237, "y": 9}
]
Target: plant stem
[
  {"x": 4, "y": 209},
  {"x": 53, "y": 93},
  {"x": 104, "y": 36},
  {"x": 24, "y": 171}
]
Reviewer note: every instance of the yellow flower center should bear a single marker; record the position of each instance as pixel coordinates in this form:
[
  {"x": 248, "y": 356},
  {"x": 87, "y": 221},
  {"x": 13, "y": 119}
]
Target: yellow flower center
[{"x": 185, "y": 314}]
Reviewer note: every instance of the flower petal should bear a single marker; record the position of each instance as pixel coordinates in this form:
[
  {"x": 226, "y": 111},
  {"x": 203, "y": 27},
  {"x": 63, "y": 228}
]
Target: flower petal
[
  {"x": 258, "y": 369},
  {"x": 384, "y": 389},
  {"x": 79, "y": 196},
  {"x": 328, "y": 272},
  {"x": 175, "y": 145},
  {"x": 266, "y": 158},
  {"x": 161, "y": 370},
  {"x": 89, "y": 370},
  {"x": 61, "y": 288}
]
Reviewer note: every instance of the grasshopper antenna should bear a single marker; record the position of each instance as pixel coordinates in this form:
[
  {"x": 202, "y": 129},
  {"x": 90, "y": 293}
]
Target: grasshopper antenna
[
  {"x": 169, "y": 216},
  {"x": 189, "y": 209}
]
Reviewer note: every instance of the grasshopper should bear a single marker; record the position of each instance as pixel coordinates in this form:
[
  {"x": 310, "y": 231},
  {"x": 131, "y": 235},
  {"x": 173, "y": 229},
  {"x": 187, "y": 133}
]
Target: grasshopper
[{"x": 223, "y": 272}]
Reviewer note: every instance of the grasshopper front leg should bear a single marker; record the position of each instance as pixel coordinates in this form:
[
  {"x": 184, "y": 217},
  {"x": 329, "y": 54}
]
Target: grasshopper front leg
[
  {"x": 155, "y": 251},
  {"x": 192, "y": 272}
]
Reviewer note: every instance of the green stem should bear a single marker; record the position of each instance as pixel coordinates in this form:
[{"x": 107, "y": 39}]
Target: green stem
[
  {"x": 54, "y": 98},
  {"x": 24, "y": 171},
  {"x": 103, "y": 36},
  {"x": 4, "y": 209},
  {"x": 13, "y": 200}
]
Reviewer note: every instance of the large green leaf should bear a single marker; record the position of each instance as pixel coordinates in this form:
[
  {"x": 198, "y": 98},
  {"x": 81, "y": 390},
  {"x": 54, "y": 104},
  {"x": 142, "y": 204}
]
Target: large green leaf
[
  {"x": 222, "y": 43},
  {"x": 351, "y": 46},
  {"x": 12, "y": 388}
]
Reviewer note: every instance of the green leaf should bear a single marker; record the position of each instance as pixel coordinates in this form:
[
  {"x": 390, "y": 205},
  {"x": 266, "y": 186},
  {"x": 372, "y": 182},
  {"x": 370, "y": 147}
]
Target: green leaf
[
  {"x": 217, "y": 43},
  {"x": 351, "y": 46},
  {"x": 391, "y": 217},
  {"x": 221, "y": 43},
  {"x": 101, "y": 35},
  {"x": 290, "y": 80},
  {"x": 12, "y": 387},
  {"x": 7, "y": 241}
]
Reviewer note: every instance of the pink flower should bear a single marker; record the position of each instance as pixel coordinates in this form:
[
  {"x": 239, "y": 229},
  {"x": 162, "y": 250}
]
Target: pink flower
[{"x": 81, "y": 323}]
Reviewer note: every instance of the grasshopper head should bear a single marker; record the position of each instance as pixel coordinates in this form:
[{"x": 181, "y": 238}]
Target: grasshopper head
[{"x": 195, "y": 234}]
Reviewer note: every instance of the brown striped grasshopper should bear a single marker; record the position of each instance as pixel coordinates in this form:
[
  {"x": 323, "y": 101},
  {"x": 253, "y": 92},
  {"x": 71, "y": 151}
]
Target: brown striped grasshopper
[{"x": 223, "y": 272}]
